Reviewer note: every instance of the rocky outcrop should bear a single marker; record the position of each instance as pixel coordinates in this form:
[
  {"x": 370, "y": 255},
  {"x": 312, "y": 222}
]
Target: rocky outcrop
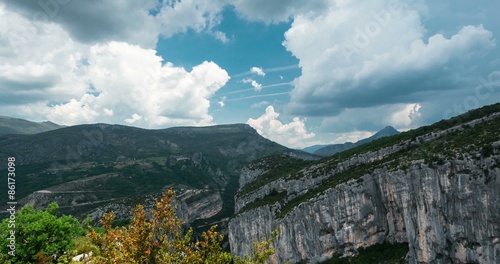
[
  {"x": 447, "y": 214},
  {"x": 248, "y": 175},
  {"x": 200, "y": 204},
  {"x": 314, "y": 176},
  {"x": 192, "y": 205},
  {"x": 310, "y": 177},
  {"x": 437, "y": 189}
]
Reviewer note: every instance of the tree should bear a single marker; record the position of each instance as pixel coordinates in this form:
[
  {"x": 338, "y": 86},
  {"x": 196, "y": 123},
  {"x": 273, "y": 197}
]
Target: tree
[
  {"x": 40, "y": 235},
  {"x": 261, "y": 251},
  {"x": 160, "y": 239}
]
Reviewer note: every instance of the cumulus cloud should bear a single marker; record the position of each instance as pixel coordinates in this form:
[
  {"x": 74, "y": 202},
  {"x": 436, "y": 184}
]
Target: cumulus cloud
[
  {"x": 156, "y": 95},
  {"x": 258, "y": 71},
  {"x": 293, "y": 134},
  {"x": 134, "y": 118},
  {"x": 95, "y": 21},
  {"x": 360, "y": 56},
  {"x": 400, "y": 116},
  {"x": 71, "y": 82},
  {"x": 134, "y": 22},
  {"x": 179, "y": 16},
  {"x": 35, "y": 59}
]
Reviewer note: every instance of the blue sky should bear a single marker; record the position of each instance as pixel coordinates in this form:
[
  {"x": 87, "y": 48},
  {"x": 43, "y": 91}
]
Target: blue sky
[{"x": 300, "y": 73}]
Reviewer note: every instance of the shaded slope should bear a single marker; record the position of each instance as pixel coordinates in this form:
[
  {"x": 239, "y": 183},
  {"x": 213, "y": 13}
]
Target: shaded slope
[
  {"x": 9, "y": 125},
  {"x": 121, "y": 162}
]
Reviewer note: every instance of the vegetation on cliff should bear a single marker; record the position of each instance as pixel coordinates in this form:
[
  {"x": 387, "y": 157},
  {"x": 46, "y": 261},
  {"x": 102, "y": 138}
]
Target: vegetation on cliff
[
  {"x": 457, "y": 138},
  {"x": 158, "y": 236}
]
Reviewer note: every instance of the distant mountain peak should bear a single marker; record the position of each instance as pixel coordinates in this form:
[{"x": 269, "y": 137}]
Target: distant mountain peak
[
  {"x": 389, "y": 129},
  {"x": 335, "y": 148},
  {"x": 386, "y": 131}
]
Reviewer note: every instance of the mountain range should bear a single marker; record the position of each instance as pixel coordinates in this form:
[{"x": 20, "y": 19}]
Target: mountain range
[
  {"x": 427, "y": 195},
  {"x": 89, "y": 169},
  {"x": 328, "y": 150},
  {"x": 9, "y": 125}
]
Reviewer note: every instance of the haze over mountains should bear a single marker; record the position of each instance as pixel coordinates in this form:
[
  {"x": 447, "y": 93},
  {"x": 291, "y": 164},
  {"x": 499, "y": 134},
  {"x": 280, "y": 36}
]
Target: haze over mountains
[{"x": 328, "y": 150}]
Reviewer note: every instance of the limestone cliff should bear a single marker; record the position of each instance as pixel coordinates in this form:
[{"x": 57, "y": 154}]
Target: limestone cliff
[
  {"x": 438, "y": 191},
  {"x": 446, "y": 214}
]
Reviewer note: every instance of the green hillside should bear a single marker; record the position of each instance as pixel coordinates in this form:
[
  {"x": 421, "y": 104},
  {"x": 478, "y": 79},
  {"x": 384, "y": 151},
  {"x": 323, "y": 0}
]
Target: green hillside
[
  {"x": 91, "y": 165},
  {"x": 9, "y": 125}
]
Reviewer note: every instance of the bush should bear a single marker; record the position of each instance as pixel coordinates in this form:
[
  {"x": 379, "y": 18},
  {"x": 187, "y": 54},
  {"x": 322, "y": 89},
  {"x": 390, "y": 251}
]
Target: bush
[
  {"x": 41, "y": 236},
  {"x": 160, "y": 239}
]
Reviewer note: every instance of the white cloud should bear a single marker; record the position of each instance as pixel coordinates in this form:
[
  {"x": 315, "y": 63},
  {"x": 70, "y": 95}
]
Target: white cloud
[
  {"x": 81, "y": 111},
  {"x": 96, "y": 21},
  {"x": 107, "y": 112},
  {"x": 34, "y": 58},
  {"x": 71, "y": 82},
  {"x": 256, "y": 86},
  {"x": 134, "y": 118},
  {"x": 221, "y": 36},
  {"x": 400, "y": 116},
  {"x": 293, "y": 134},
  {"x": 353, "y": 137},
  {"x": 406, "y": 118},
  {"x": 372, "y": 54},
  {"x": 134, "y": 22},
  {"x": 260, "y": 104},
  {"x": 179, "y": 16},
  {"x": 161, "y": 94},
  {"x": 221, "y": 102},
  {"x": 258, "y": 71}
]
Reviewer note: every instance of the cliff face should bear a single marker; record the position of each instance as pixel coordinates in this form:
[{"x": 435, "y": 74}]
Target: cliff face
[
  {"x": 192, "y": 204},
  {"x": 448, "y": 214},
  {"x": 436, "y": 188}
]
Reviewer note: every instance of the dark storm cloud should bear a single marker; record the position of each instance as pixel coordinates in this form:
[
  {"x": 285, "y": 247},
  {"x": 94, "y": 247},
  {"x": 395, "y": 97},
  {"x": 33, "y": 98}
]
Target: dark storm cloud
[
  {"x": 88, "y": 21},
  {"x": 277, "y": 10},
  {"x": 26, "y": 85}
]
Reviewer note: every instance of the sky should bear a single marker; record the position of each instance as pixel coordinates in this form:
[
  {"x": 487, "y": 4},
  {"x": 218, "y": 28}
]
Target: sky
[{"x": 299, "y": 72}]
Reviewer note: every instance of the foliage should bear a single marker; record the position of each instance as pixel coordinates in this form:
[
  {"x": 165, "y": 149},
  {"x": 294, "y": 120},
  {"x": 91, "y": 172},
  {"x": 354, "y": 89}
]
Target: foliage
[
  {"x": 261, "y": 251},
  {"x": 40, "y": 235},
  {"x": 160, "y": 239}
]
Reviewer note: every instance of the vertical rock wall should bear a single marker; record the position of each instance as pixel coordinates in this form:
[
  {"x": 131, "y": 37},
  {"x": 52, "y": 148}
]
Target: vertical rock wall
[{"x": 447, "y": 214}]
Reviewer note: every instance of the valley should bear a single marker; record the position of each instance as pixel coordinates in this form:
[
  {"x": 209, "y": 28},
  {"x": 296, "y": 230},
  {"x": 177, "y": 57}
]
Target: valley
[{"x": 432, "y": 190}]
